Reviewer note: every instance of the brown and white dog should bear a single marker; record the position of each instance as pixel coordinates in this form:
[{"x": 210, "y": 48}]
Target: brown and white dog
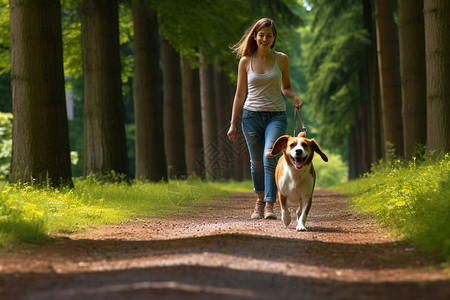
[{"x": 295, "y": 175}]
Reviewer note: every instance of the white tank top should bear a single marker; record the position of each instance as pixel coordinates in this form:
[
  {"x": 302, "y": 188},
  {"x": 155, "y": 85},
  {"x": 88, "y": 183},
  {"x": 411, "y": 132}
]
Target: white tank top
[{"x": 264, "y": 90}]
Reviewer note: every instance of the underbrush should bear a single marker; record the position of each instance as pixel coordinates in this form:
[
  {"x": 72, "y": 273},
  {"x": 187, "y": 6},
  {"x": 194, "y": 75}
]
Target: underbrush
[
  {"x": 411, "y": 198},
  {"x": 29, "y": 213}
]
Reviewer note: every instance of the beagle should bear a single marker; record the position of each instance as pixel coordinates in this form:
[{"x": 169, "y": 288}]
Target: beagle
[{"x": 295, "y": 175}]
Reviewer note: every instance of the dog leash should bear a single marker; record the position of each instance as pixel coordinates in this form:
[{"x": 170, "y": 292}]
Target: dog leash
[{"x": 297, "y": 112}]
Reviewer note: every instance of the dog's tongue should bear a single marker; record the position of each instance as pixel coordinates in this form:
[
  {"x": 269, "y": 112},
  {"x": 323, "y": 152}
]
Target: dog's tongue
[{"x": 298, "y": 164}]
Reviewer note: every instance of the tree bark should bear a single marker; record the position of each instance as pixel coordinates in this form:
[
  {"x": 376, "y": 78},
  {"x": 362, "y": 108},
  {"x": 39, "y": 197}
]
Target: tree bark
[
  {"x": 364, "y": 123},
  {"x": 378, "y": 149},
  {"x": 413, "y": 73},
  {"x": 173, "y": 111},
  {"x": 148, "y": 111},
  {"x": 193, "y": 117},
  {"x": 208, "y": 119},
  {"x": 104, "y": 126},
  {"x": 353, "y": 160},
  {"x": 40, "y": 149},
  {"x": 222, "y": 114},
  {"x": 371, "y": 108},
  {"x": 437, "y": 49},
  {"x": 389, "y": 86}
]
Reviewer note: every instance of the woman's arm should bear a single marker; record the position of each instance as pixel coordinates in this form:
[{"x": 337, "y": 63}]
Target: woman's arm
[
  {"x": 286, "y": 86},
  {"x": 239, "y": 96}
]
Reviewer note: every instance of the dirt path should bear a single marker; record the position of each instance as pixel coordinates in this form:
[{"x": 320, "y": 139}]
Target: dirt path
[{"x": 217, "y": 252}]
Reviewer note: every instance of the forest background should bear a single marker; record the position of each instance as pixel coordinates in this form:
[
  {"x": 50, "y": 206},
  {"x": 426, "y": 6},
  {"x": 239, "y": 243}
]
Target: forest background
[{"x": 145, "y": 88}]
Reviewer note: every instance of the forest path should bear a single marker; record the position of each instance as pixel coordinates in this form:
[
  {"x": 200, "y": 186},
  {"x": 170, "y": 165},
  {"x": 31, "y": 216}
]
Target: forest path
[{"x": 218, "y": 252}]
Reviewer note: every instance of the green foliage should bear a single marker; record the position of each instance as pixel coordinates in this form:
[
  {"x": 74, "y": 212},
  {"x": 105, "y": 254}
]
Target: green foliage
[
  {"x": 71, "y": 31},
  {"x": 411, "y": 198},
  {"x": 19, "y": 219},
  {"x": 5, "y": 143},
  {"x": 5, "y": 63},
  {"x": 71, "y": 37},
  {"x": 28, "y": 213},
  {"x": 334, "y": 59},
  {"x": 5, "y": 38},
  {"x": 215, "y": 25},
  {"x": 333, "y": 172},
  {"x": 126, "y": 44}
]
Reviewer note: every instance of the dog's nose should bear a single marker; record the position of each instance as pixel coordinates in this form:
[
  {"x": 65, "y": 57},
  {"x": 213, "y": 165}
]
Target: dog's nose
[{"x": 298, "y": 151}]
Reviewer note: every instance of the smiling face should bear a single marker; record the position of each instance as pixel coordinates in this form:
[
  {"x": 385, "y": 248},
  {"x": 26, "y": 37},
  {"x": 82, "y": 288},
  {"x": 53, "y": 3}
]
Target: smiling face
[
  {"x": 265, "y": 38},
  {"x": 299, "y": 151}
]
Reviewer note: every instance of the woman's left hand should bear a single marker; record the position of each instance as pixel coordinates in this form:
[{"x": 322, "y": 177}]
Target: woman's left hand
[{"x": 297, "y": 102}]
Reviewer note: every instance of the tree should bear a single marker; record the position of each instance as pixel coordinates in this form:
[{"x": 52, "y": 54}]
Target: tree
[
  {"x": 173, "y": 110},
  {"x": 193, "y": 119},
  {"x": 389, "y": 85},
  {"x": 223, "y": 106},
  {"x": 213, "y": 26},
  {"x": 104, "y": 131},
  {"x": 40, "y": 149},
  {"x": 148, "y": 116},
  {"x": 437, "y": 49},
  {"x": 370, "y": 107},
  {"x": 413, "y": 73},
  {"x": 334, "y": 64},
  {"x": 209, "y": 125}
]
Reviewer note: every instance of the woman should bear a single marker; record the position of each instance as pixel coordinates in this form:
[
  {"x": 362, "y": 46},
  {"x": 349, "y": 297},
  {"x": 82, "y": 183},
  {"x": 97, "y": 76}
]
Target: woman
[{"x": 264, "y": 73}]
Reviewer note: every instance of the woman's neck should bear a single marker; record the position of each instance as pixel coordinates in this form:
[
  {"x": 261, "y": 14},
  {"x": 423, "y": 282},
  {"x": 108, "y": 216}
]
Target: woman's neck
[{"x": 263, "y": 54}]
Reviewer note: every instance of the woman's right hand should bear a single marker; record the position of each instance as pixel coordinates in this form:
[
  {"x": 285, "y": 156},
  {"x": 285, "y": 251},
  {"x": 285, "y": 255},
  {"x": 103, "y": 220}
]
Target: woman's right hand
[{"x": 231, "y": 133}]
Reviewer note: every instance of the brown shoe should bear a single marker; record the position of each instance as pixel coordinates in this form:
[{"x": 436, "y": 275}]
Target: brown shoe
[
  {"x": 268, "y": 213},
  {"x": 258, "y": 213}
]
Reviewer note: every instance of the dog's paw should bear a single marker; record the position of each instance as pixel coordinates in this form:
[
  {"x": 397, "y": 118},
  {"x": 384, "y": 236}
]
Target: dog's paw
[
  {"x": 300, "y": 227},
  {"x": 286, "y": 217}
]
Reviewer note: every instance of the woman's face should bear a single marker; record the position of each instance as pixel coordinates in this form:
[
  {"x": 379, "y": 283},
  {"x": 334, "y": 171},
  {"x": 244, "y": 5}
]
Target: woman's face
[{"x": 264, "y": 38}]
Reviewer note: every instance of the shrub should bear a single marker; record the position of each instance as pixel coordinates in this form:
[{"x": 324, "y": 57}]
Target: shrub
[{"x": 411, "y": 198}]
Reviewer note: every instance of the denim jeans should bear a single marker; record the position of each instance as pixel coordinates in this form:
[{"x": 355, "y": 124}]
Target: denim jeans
[{"x": 261, "y": 130}]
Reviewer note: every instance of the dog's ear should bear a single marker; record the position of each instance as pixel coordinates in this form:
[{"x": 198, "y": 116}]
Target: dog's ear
[
  {"x": 316, "y": 148},
  {"x": 280, "y": 144},
  {"x": 302, "y": 134}
]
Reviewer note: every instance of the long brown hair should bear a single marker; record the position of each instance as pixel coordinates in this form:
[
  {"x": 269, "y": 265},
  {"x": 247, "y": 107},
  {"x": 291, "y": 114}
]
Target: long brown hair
[{"x": 247, "y": 45}]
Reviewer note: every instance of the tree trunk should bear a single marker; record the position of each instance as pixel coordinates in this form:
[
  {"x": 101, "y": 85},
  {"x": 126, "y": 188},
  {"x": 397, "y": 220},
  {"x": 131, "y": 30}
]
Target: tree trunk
[
  {"x": 173, "y": 110},
  {"x": 353, "y": 160},
  {"x": 364, "y": 121},
  {"x": 389, "y": 87},
  {"x": 104, "y": 130},
  {"x": 193, "y": 117},
  {"x": 378, "y": 149},
  {"x": 208, "y": 119},
  {"x": 148, "y": 112},
  {"x": 437, "y": 49},
  {"x": 413, "y": 73},
  {"x": 222, "y": 113},
  {"x": 229, "y": 95},
  {"x": 241, "y": 158},
  {"x": 40, "y": 149},
  {"x": 371, "y": 88}
]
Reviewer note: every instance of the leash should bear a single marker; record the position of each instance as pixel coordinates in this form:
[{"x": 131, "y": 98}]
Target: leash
[{"x": 297, "y": 112}]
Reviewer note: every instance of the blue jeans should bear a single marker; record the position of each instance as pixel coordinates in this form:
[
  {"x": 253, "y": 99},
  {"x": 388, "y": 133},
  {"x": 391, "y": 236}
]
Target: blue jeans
[{"x": 261, "y": 130}]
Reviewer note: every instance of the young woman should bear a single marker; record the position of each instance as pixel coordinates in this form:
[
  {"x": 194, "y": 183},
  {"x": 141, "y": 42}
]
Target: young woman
[{"x": 264, "y": 74}]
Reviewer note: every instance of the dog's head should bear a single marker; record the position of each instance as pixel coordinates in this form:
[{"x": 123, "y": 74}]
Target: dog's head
[{"x": 298, "y": 151}]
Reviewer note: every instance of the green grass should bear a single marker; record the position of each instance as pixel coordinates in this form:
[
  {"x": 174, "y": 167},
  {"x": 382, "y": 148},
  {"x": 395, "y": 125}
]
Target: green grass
[
  {"x": 411, "y": 198},
  {"x": 29, "y": 213}
]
